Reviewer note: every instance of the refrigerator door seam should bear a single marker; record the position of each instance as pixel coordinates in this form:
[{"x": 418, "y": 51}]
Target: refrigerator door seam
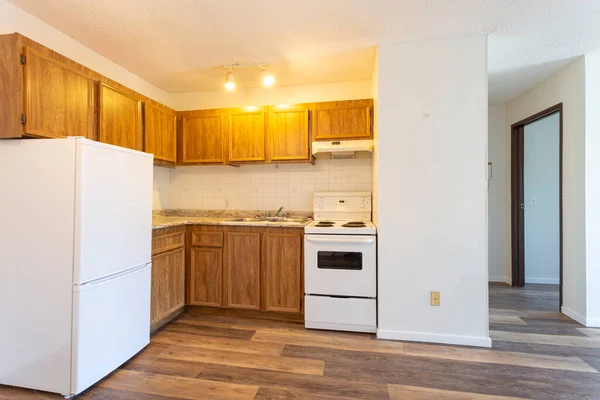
[{"x": 112, "y": 276}]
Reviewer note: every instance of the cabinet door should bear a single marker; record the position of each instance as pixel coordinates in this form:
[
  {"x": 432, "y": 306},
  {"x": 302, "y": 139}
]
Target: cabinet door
[
  {"x": 203, "y": 138},
  {"x": 168, "y": 284},
  {"x": 58, "y": 99},
  {"x": 243, "y": 269},
  {"x": 282, "y": 272},
  {"x": 160, "y": 127},
  {"x": 343, "y": 120},
  {"x": 247, "y": 135},
  {"x": 119, "y": 118},
  {"x": 288, "y": 134},
  {"x": 206, "y": 277}
]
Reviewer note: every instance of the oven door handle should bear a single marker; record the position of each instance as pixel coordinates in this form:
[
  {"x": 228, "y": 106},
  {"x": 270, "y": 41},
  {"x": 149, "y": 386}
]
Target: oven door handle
[{"x": 348, "y": 240}]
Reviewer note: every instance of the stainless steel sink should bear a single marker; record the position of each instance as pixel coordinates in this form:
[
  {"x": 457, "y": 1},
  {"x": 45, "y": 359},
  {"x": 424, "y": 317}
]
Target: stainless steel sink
[
  {"x": 272, "y": 219},
  {"x": 248, "y": 219}
]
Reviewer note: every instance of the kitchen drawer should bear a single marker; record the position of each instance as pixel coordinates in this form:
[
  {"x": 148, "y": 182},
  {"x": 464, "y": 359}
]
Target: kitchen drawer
[
  {"x": 167, "y": 242},
  {"x": 340, "y": 314},
  {"x": 207, "y": 239}
]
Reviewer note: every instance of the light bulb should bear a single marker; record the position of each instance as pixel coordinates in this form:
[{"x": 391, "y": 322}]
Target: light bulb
[
  {"x": 229, "y": 82},
  {"x": 267, "y": 78}
]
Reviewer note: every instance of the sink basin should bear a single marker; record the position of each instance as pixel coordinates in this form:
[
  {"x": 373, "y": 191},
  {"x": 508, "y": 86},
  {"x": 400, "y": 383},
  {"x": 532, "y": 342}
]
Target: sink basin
[
  {"x": 271, "y": 219},
  {"x": 290, "y": 220}
]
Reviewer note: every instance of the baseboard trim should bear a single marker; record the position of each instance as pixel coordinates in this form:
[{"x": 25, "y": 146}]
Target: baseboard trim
[
  {"x": 574, "y": 315},
  {"x": 501, "y": 279},
  {"x": 593, "y": 322},
  {"x": 435, "y": 338},
  {"x": 544, "y": 281}
]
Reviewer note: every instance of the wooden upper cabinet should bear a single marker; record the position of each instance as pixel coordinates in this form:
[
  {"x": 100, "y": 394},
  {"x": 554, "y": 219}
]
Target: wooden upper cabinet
[
  {"x": 203, "y": 138},
  {"x": 119, "y": 118},
  {"x": 243, "y": 268},
  {"x": 247, "y": 135},
  {"x": 58, "y": 99},
  {"x": 282, "y": 270},
  {"x": 337, "y": 120},
  {"x": 160, "y": 133},
  {"x": 289, "y": 133}
]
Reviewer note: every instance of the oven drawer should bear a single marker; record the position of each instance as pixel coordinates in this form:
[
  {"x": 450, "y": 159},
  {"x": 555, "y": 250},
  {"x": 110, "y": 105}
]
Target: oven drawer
[
  {"x": 340, "y": 265},
  {"x": 344, "y": 314}
]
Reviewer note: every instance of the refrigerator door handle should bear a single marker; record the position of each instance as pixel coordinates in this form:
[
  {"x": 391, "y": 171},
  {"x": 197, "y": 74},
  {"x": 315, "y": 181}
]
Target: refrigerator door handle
[{"x": 99, "y": 281}]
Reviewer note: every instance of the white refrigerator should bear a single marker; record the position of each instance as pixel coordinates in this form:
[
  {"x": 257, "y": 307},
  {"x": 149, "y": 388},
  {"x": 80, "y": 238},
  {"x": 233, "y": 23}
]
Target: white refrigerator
[{"x": 75, "y": 250}]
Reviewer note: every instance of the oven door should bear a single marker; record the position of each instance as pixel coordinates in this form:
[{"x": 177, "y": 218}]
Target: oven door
[{"x": 340, "y": 265}]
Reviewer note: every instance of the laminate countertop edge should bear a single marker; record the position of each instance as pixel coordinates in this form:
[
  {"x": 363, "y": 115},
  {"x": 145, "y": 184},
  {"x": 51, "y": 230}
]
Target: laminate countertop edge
[{"x": 159, "y": 222}]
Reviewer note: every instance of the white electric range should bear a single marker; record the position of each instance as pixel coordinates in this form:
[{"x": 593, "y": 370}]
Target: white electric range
[{"x": 340, "y": 264}]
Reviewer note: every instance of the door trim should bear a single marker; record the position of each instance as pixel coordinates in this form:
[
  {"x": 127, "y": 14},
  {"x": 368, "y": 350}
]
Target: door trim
[{"x": 517, "y": 195}]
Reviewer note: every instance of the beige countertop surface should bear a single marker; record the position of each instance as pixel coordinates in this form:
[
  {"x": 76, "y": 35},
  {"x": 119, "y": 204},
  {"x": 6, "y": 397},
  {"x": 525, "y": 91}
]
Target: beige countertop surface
[{"x": 161, "y": 221}]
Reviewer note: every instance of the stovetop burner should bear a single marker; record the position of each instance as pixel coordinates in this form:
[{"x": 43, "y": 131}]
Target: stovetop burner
[
  {"x": 354, "y": 224},
  {"x": 324, "y": 224}
]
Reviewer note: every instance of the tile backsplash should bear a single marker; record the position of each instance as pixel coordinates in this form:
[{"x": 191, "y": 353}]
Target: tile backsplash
[{"x": 257, "y": 187}]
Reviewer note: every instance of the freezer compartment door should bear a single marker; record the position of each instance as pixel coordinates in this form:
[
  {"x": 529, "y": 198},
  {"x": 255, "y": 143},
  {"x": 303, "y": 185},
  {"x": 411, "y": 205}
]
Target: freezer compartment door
[
  {"x": 113, "y": 209},
  {"x": 111, "y": 323}
]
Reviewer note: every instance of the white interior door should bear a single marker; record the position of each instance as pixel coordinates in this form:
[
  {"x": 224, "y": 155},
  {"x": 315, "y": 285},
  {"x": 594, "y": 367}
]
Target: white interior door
[
  {"x": 111, "y": 323},
  {"x": 113, "y": 213}
]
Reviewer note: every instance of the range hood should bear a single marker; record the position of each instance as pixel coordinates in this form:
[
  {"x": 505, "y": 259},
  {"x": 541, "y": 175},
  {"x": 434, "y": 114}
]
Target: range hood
[{"x": 343, "y": 149}]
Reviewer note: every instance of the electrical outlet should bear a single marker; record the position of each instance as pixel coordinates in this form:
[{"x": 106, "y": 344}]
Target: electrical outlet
[{"x": 435, "y": 298}]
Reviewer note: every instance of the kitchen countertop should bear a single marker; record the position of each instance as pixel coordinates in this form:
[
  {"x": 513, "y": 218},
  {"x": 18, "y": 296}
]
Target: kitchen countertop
[{"x": 161, "y": 221}]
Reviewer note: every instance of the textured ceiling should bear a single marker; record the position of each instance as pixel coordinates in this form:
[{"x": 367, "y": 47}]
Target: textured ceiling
[{"x": 179, "y": 45}]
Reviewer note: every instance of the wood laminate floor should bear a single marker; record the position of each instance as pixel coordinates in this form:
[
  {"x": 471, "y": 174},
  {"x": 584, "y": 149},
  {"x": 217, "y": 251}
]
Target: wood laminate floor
[{"x": 537, "y": 353}]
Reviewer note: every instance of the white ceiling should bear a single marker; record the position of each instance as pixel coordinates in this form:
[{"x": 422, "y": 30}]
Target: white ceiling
[{"x": 179, "y": 45}]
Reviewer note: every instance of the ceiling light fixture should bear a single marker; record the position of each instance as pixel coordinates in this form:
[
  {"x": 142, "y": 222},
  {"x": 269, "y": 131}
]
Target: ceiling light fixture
[
  {"x": 229, "y": 82},
  {"x": 267, "y": 79}
]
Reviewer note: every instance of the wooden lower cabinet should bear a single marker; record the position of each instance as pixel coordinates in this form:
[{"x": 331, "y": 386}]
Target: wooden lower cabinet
[
  {"x": 282, "y": 270},
  {"x": 168, "y": 275},
  {"x": 206, "y": 277},
  {"x": 168, "y": 284},
  {"x": 245, "y": 268}
]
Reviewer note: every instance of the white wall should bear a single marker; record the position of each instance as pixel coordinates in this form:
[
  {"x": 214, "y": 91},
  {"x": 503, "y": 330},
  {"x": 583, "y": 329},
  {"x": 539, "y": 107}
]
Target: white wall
[
  {"x": 271, "y": 96},
  {"x": 264, "y": 187},
  {"x": 592, "y": 187},
  {"x": 566, "y": 86},
  {"x": 14, "y": 19},
  {"x": 375, "y": 180},
  {"x": 499, "y": 270},
  {"x": 541, "y": 194},
  {"x": 432, "y": 228}
]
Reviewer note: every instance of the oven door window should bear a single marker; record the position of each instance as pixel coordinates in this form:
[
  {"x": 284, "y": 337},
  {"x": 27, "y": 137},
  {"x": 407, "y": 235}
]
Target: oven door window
[{"x": 343, "y": 260}]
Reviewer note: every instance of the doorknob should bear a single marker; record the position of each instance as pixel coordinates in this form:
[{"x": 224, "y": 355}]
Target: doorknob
[{"x": 522, "y": 206}]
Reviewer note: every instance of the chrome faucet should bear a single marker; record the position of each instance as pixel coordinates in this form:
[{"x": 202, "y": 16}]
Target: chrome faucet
[{"x": 278, "y": 211}]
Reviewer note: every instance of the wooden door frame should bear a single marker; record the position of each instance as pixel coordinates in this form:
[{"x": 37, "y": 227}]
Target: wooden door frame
[{"x": 517, "y": 195}]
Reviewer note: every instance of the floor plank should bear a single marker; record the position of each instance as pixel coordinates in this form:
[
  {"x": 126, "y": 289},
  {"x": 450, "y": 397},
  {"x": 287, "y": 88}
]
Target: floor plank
[
  {"x": 183, "y": 327},
  {"x": 575, "y": 341},
  {"x": 216, "y": 343},
  {"x": 506, "y": 319},
  {"x": 328, "y": 341},
  {"x": 403, "y": 392},
  {"x": 235, "y": 359},
  {"x": 497, "y": 357},
  {"x": 184, "y": 388},
  {"x": 293, "y": 383}
]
